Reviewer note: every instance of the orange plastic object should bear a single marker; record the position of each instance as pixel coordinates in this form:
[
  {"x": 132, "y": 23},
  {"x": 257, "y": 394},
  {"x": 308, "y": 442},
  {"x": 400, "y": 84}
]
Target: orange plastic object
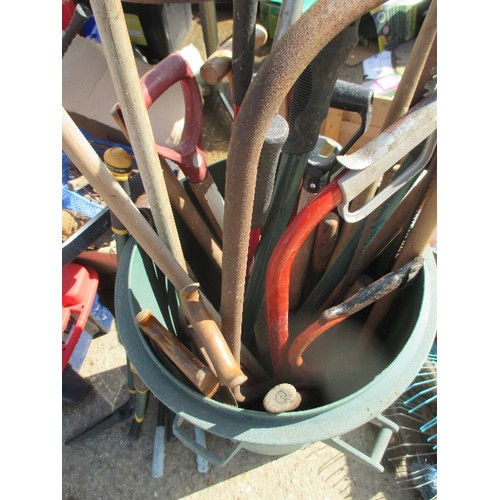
[{"x": 79, "y": 287}]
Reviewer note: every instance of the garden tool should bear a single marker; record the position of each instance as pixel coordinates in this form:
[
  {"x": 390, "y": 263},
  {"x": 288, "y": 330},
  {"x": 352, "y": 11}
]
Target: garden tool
[
  {"x": 188, "y": 153},
  {"x": 365, "y": 165},
  {"x": 264, "y": 96}
]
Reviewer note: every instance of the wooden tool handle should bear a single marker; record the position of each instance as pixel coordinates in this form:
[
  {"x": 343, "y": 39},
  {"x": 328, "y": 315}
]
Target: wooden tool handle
[
  {"x": 218, "y": 65},
  {"x": 281, "y": 398},
  {"x": 120, "y": 58},
  {"x": 78, "y": 183},
  {"x": 228, "y": 370},
  {"x": 211, "y": 201},
  {"x": 184, "y": 206},
  {"x": 324, "y": 243},
  {"x": 199, "y": 374}
]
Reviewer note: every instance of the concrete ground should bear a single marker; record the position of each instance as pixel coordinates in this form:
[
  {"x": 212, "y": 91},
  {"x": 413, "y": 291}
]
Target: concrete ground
[{"x": 112, "y": 465}]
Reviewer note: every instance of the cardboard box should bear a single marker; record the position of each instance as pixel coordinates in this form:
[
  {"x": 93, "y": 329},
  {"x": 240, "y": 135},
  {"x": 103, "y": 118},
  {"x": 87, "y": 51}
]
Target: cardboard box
[
  {"x": 342, "y": 125},
  {"x": 88, "y": 95}
]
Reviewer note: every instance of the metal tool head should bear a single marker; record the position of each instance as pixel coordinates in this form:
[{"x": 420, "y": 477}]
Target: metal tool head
[
  {"x": 369, "y": 163},
  {"x": 320, "y": 163}
]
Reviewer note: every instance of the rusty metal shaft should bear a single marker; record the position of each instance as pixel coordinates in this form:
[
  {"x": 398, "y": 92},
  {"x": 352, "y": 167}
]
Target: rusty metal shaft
[{"x": 295, "y": 50}]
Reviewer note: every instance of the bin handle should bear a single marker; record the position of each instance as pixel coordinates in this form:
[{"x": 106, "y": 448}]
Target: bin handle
[
  {"x": 387, "y": 428},
  {"x": 200, "y": 450}
]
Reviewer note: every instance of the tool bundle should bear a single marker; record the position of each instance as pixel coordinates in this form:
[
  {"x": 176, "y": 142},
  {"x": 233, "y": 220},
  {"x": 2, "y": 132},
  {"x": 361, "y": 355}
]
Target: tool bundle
[{"x": 305, "y": 234}]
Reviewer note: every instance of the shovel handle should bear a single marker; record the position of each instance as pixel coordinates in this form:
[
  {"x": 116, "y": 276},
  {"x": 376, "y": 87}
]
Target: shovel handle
[{"x": 188, "y": 153}]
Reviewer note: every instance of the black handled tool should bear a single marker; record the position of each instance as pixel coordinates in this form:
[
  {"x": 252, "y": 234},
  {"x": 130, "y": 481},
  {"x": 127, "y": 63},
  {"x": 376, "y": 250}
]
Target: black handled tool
[
  {"x": 244, "y": 19},
  {"x": 309, "y": 106},
  {"x": 349, "y": 96},
  {"x": 266, "y": 174}
]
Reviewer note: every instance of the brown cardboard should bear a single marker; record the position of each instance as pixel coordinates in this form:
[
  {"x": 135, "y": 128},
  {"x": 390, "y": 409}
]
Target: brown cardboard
[{"x": 88, "y": 96}]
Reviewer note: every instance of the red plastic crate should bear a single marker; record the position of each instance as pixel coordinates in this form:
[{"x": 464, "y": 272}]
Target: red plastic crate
[{"x": 79, "y": 287}]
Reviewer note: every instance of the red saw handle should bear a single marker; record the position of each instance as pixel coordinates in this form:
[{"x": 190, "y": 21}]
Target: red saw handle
[
  {"x": 188, "y": 154},
  {"x": 278, "y": 271}
]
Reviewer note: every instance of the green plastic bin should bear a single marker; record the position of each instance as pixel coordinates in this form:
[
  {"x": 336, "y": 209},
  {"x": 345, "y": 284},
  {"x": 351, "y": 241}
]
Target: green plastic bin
[{"x": 409, "y": 337}]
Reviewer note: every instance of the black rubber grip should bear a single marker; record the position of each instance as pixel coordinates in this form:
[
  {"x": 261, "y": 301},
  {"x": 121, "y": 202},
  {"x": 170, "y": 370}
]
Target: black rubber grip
[
  {"x": 266, "y": 172},
  {"x": 244, "y": 19},
  {"x": 312, "y": 92},
  {"x": 350, "y": 96}
]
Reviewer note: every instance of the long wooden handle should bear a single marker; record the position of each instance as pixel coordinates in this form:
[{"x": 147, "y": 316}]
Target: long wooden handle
[
  {"x": 83, "y": 155},
  {"x": 194, "y": 221},
  {"x": 88, "y": 162},
  {"x": 199, "y": 374},
  {"x": 110, "y": 20}
]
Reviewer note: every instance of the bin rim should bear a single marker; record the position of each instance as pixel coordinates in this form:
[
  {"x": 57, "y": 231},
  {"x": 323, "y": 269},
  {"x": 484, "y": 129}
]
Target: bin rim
[{"x": 294, "y": 428}]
